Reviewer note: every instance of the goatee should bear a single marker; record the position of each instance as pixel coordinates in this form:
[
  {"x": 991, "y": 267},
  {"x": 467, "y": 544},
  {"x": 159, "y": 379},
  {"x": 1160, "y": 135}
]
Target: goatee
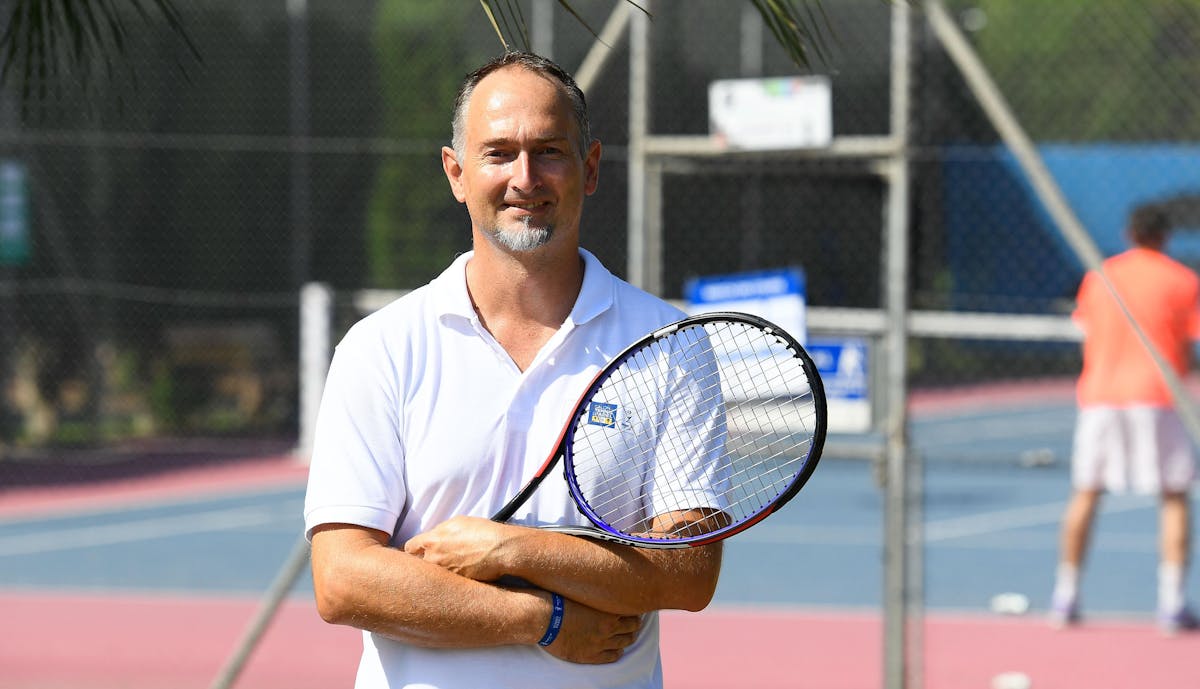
[{"x": 526, "y": 239}]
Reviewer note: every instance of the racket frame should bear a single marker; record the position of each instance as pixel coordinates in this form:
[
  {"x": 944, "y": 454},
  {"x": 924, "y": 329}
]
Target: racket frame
[{"x": 601, "y": 531}]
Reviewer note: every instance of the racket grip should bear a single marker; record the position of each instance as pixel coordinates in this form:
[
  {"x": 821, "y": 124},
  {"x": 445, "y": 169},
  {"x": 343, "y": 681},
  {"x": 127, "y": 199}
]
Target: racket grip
[{"x": 556, "y": 618}]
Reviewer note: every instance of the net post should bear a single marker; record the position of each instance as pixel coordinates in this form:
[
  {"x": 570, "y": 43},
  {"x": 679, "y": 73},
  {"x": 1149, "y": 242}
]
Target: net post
[{"x": 316, "y": 318}]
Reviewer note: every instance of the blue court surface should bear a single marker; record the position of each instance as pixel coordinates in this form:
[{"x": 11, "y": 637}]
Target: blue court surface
[{"x": 995, "y": 483}]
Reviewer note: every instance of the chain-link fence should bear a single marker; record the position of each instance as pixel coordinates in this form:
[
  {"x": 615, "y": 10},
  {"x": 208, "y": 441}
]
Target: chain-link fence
[
  {"x": 156, "y": 236},
  {"x": 166, "y": 232}
]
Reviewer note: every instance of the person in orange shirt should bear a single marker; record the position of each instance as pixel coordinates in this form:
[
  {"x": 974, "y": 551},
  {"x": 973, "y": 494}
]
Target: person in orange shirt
[{"x": 1128, "y": 436}]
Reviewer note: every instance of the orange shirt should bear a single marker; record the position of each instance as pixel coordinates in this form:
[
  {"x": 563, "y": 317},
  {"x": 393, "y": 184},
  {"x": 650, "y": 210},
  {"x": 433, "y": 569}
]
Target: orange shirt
[{"x": 1164, "y": 297}]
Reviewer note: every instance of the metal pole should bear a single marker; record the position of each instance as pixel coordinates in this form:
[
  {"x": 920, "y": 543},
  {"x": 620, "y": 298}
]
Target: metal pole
[
  {"x": 896, "y": 583},
  {"x": 299, "y": 125},
  {"x": 284, "y": 580},
  {"x": 597, "y": 56},
  {"x": 752, "y": 204},
  {"x": 653, "y": 275},
  {"x": 639, "y": 99},
  {"x": 542, "y": 28}
]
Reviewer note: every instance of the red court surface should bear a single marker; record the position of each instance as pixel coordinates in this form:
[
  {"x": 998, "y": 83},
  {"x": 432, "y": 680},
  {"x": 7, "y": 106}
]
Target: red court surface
[
  {"x": 137, "y": 642},
  {"x": 108, "y": 640},
  {"x": 137, "y": 484}
]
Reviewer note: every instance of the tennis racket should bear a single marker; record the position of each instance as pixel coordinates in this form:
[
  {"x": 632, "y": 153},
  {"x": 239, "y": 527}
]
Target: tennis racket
[{"x": 692, "y": 434}]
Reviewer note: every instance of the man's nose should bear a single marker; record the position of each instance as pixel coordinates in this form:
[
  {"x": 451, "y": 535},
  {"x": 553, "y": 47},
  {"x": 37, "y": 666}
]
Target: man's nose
[{"x": 524, "y": 172}]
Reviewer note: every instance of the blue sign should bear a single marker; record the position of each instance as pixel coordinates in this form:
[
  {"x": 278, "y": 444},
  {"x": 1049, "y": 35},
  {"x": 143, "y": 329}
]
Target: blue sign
[
  {"x": 777, "y": 295},
  {"x": 844, "y": 366},
  {"x": 14, "y": 214},
  {"x": 762, "y": 284}
]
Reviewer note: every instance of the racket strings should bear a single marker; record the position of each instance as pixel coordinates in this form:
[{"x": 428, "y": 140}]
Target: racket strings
[
  {"x": 623, "y": 506},
  {"x": 737, "y": 477},
  {"x": 715, "y": 422},
  {"x": 639, "y": 382}
]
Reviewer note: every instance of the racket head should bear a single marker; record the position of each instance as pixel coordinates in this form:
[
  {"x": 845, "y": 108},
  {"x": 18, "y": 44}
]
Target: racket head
[{"x": 716, "y": 420}]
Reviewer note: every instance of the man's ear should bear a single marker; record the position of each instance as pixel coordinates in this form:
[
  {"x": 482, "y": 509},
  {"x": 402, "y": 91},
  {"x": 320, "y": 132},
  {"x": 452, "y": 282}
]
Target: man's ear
[
  {"x": 591, "y": 167},
  {"x": 453, "y": 172}
]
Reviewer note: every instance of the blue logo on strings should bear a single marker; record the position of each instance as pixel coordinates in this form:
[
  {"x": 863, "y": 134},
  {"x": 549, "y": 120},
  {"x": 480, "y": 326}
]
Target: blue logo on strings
[{"x": 602, "y": 414}]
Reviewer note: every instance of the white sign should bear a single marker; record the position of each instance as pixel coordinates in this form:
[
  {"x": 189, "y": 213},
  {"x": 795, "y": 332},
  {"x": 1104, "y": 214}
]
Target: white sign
[{"x": 773, "y": 113}]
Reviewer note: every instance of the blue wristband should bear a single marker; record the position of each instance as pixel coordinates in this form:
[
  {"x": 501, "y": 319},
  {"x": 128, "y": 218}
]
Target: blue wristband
[{"x": 555, "y": 621}]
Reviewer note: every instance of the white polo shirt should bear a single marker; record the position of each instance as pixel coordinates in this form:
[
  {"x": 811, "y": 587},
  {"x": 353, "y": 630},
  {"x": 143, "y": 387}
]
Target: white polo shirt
[{"x": 425, "y": 417}]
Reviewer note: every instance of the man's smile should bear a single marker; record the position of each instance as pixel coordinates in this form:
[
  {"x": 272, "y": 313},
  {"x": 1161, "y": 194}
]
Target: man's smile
[{"x": 529, "y": 206}]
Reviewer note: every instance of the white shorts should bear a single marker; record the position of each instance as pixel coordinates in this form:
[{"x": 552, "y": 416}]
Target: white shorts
[{"x": 1143, "y": 450}]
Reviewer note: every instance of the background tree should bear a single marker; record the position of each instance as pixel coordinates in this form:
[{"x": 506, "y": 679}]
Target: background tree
[
  {"x": 51, "y": 47},
  {"x": 1107, "y": 96},
  {"x": 410, "y": 200}
]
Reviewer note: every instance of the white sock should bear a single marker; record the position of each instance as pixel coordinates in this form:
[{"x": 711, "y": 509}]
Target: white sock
[
  {"x": 1066, "y": 582},
  {"x": 1170, "y": 586}
]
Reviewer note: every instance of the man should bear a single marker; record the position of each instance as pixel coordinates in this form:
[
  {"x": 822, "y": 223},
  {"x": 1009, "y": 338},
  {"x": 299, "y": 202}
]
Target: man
[
  {"x": 439, "y": 407},
  {"x": 1128, "y": 435}
]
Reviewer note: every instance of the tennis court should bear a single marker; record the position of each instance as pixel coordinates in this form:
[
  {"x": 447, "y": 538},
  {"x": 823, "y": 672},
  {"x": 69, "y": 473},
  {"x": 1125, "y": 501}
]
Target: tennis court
[
  {"x": 148, "y": 580},
  {"x": 973, "y": 156}
]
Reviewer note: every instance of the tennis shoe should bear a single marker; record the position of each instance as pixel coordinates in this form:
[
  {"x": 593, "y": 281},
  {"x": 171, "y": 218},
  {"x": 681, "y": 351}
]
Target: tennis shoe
[
  {"x": 1063, "y": 613},
  {"x": 1181, "y": 620}
]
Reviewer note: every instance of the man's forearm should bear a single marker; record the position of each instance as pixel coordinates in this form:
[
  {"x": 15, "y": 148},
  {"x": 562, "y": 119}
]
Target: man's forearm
[
  {"x": 618, "y": 579},
  {"x": 365, "y": 584},
  {"x": 362, "y": 582}
]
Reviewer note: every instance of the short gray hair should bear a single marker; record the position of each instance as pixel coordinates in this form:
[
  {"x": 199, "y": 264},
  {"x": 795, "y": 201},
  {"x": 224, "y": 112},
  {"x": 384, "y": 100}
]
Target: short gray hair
[{"x": 536, "y": 64}]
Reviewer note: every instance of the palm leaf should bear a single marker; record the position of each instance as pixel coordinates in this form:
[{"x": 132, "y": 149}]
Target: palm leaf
[
  {"x": 49, "y": 46},
  {"x": 800, "y": 33},
  {"x": 796, "y": 33}
]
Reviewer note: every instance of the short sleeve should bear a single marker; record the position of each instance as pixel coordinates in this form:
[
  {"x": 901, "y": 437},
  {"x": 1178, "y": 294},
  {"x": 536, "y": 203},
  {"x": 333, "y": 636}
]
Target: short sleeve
[
  {"x": 1193, "y": 323},
  {"x": 1084, "y": 300},
  {"x": 357, "y": 468}
]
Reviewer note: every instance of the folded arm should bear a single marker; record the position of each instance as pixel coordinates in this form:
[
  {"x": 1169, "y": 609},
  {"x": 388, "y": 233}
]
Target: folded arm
[
  {"x": 362, "y": 582},
  {"x": 618, "y": 579}
]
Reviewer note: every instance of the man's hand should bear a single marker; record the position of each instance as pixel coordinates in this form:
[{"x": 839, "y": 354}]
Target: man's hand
[
  {"x": 592, "y": 637},
  {"x": 471, "y": 547}
]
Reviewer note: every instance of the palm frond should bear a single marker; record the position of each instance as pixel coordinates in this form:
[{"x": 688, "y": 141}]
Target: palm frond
[
  {"x": 50, "y": 47},
  {"x": 508, "y": 22},
  {"x": 801, "y": 33},
  {"x": 491, "y": 15}
]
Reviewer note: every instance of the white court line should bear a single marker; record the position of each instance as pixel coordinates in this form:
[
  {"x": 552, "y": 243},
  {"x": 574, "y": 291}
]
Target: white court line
[
  {"x": 968, "y": 526},
  {"x": 128, "y": 532},
  {"x": 1017, "y": 517},
  {"x": 948, "y": 432},
  {"x": 149, "y": 502},
  {"x": 810, "y": 535}
]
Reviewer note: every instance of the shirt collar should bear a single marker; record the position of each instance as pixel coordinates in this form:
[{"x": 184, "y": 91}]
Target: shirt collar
[
  {"x": 450, "y": 297},
  {"x": 595, "y": 295}
]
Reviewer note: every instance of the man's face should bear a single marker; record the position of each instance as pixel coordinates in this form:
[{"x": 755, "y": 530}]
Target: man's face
[{"x": 521, "y": 177}]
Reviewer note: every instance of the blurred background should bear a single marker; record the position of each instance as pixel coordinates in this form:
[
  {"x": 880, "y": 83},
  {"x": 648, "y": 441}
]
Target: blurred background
[{"x": 158, "y": 229}]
